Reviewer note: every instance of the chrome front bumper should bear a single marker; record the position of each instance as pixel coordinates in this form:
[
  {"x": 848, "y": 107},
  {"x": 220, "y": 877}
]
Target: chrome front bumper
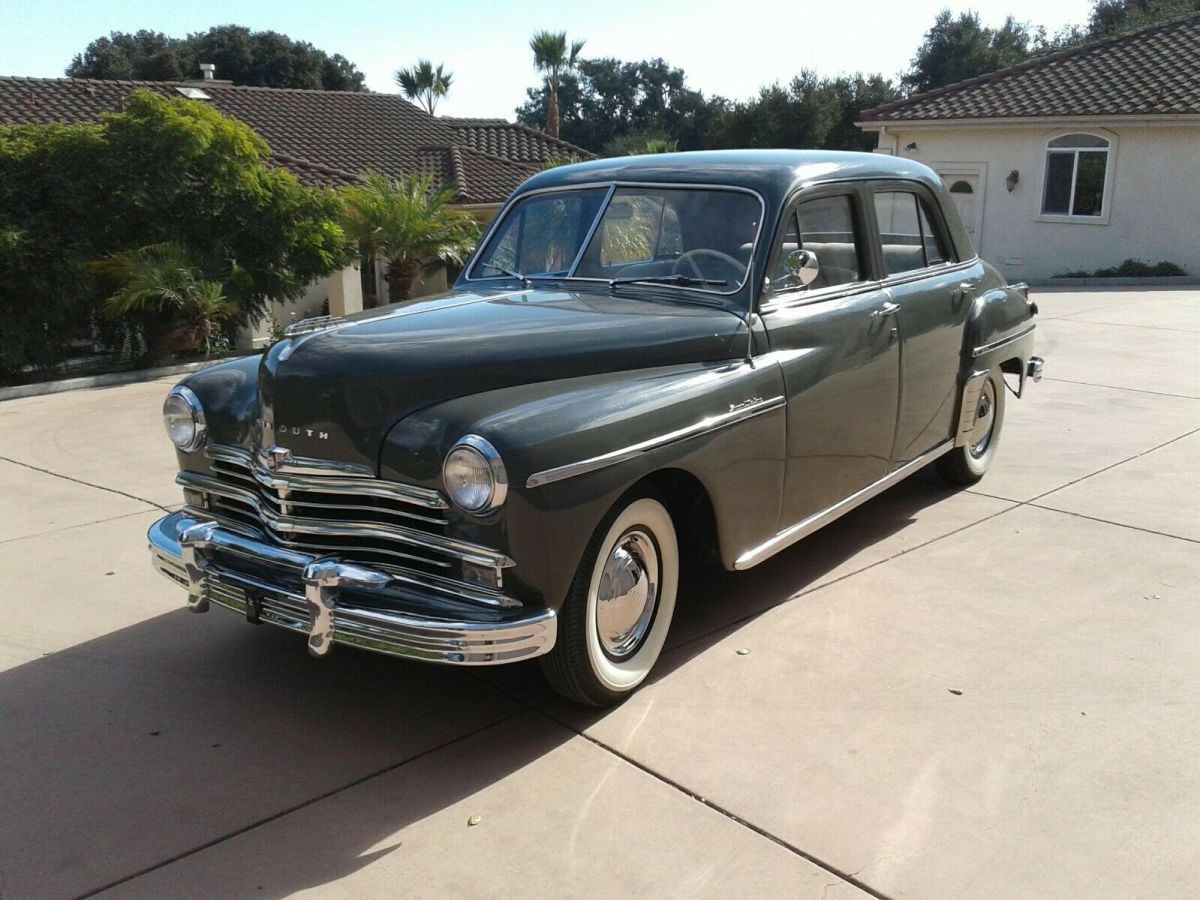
[{"x": 306, "y": 593}]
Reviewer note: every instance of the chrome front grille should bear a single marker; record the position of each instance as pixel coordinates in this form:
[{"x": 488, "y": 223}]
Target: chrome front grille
[{"x": 351, "y": 516}]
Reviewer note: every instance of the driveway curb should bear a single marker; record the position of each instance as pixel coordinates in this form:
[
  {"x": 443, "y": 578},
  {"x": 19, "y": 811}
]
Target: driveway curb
[{"x": 106, "y": 380}]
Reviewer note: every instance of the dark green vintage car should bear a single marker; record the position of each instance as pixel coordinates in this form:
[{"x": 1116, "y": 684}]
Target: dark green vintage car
[{"x": 727, "y": 350}]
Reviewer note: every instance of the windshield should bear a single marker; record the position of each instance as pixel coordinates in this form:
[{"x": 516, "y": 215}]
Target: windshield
[{"x": 697, "y": 238}]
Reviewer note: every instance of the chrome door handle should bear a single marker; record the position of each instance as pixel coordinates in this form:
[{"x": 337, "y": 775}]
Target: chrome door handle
[{"x": 886, "y": 310}]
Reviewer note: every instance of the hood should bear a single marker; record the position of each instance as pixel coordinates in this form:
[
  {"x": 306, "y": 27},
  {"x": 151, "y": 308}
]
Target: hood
[{"x": 335, "y": 394}]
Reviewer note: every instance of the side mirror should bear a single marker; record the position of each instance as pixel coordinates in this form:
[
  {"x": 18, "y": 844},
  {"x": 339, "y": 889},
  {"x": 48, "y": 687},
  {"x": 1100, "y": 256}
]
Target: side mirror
[{"x": 802, "y": 265}]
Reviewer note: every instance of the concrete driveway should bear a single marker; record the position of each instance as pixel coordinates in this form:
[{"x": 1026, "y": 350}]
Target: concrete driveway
[{"x": 947, "y": 694}]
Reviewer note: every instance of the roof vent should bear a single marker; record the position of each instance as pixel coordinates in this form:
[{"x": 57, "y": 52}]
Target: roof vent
[
  {"x": 193, "y": 93},
  {"x": 208, "y": 71}
]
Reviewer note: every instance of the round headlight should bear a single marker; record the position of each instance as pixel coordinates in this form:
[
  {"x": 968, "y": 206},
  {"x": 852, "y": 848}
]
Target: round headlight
[
  {"x": 184, "y": 417},
  {"x": 474, "y": 475}
]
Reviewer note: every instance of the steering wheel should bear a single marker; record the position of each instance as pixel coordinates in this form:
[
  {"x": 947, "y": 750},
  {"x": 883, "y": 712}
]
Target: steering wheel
[{"x": 691, "y": 255}]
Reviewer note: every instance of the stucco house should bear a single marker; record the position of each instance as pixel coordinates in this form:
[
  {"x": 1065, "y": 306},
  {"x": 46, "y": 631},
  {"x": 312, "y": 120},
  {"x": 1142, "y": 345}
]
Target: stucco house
[
  {"x": 1075, "y": 160},
  {"x": 328, "y": 138}
]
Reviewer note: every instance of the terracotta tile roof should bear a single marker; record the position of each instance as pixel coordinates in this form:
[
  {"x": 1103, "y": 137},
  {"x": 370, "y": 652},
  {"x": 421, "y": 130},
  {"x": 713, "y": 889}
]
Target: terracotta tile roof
[
  {"x": 1153, "y": 71},
  {"x": 324, "y": 137},
  {"x": 513, "y": 141}
]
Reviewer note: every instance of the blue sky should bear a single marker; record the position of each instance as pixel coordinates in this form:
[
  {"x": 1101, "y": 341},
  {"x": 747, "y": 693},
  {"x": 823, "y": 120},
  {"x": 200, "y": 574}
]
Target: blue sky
[{"x": 725, "y": 48}]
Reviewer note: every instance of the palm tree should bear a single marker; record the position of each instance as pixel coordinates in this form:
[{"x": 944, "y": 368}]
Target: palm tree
[
  {"x": 424, "y": 84},
  {"x": 660, "y": 145},
  {"x": 163, "y": 279},
  {"x": 552, "y": 56},
  {"x": 407, "y": 222}
]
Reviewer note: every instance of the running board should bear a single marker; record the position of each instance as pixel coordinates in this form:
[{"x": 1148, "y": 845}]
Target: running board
[{"x": 804, "y": 528}]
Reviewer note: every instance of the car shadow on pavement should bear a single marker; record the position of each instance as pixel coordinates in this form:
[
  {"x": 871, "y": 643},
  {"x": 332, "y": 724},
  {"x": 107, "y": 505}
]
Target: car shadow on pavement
[{"x": 147, "y": 744}]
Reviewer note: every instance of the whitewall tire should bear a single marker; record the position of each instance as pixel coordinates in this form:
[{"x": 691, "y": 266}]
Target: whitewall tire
[
  {"x": 970, "y": 462},
  {"x": 615, "y": 620}
]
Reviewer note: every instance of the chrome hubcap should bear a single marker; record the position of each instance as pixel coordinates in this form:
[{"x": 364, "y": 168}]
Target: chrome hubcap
[
  {"x": 985, "y": 419},
  {"x": 627, "y": 594}
]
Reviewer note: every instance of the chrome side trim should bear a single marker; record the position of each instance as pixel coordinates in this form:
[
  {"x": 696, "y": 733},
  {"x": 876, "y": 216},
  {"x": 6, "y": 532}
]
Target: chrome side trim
[
  {"x": 348, "y": 483},
  {"x": 393, "y": 632},
  {"x": 738, "y": 413},
  {"x": 805, "y": 527},
  {"x": 461, "y": 550},
  {"x": 1003, "y": 342}
]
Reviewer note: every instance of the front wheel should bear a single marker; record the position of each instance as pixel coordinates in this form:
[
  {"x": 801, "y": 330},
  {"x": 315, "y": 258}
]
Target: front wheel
[
  {"x": 968, "y": 463},
  {"x": 613, "y": 625}
]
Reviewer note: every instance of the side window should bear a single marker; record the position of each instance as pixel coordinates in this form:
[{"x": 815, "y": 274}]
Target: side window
[
  {"x": 935, "y": 249},
  {"x": 825, "y": 228},
  {"x": 908, "y": 239}
]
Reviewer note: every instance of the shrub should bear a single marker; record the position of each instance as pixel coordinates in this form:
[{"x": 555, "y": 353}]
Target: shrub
[
  {"x": 162, "y": 170},
  {"x": 1130, "y": 268}
]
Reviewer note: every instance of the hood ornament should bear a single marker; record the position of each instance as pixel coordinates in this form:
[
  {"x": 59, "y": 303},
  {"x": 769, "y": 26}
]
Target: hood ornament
[{"x": 315, "y": 323}]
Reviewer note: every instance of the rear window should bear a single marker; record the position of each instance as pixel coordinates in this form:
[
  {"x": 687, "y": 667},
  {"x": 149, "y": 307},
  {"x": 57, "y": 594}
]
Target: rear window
[{"x": 908, "y": 239}]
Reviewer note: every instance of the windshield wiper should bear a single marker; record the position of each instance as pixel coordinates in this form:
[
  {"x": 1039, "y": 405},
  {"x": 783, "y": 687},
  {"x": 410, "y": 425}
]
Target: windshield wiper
[
  {"x": 511, "y": 273},
  {"x": 678, "y": 279}
]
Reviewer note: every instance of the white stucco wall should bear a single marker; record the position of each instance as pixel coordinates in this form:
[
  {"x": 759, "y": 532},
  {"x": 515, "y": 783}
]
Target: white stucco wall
[
  {"x": 321, "y": 290},
  {"x": 1153, "y": 206}
]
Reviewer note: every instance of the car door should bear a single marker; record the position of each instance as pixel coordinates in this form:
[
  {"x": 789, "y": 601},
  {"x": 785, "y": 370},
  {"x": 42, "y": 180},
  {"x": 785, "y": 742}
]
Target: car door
[
  {"x": 835, "y": 340},
  {"x": 932, "y": 290}
]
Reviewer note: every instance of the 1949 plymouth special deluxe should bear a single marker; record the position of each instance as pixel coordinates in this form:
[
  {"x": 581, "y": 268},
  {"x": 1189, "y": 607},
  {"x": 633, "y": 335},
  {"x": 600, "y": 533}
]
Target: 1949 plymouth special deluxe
[{"x": 726, "y": 348}]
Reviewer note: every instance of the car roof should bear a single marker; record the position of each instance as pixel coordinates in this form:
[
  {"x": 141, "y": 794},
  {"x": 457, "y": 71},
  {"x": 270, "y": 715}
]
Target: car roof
[{"x": 772, "y": 173}]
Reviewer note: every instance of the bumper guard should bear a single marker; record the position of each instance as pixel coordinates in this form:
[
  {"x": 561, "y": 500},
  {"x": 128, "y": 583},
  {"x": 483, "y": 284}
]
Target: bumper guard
[{"x": 184, "y": 548}]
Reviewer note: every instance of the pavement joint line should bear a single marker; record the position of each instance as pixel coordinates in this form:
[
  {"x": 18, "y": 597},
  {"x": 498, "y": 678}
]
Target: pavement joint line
[
  {"x": 99, "y": 487},
  {"x": 1061, "y": 487},
  {"x": 1115, "y": 324},
  {"x": 266, "y": 820},
  {"x": 1114, "y": 387},
  {"x": 806, "y": 591},
  {"x": 721, "y": 810},
  {"x": 37, "y": 534},
  {"x": 1078, "y": 515}
]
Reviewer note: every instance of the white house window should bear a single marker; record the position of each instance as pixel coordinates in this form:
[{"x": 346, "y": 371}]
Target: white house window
[{"x": 1076, "y": 165}]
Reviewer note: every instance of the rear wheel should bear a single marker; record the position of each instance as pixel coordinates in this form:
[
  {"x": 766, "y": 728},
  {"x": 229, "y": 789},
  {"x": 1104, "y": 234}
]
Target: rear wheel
[
  {"x": 613, "y": 625},
  {"x": 968, "y": 463}
]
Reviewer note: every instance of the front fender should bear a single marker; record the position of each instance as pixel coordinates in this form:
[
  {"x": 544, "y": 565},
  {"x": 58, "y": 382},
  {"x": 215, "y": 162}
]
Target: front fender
[
  {"x": 722, "y": 423},
  {"x": 228, "y": 392}
]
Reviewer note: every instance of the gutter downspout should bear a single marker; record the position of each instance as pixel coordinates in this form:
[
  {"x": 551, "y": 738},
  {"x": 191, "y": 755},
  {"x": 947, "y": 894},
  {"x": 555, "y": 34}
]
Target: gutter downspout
[{"x": 893, "y": 141}]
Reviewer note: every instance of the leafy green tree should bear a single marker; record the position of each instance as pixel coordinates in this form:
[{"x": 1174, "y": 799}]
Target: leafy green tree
[
  {"x": 162, "y": 170},
  {"x": 424, "y": 84},
  {"x": 261, "y": 58},
  {"x": 163, "y": 281},
  {"x": 553, "y": 56},
  {"x": 608, "y": 105},
  {"x": 407, "y": 221},
  {"x": 810, "y": 112},
  {"x": 1110, "y": 17},
  {"x": 960, "y": 47}
]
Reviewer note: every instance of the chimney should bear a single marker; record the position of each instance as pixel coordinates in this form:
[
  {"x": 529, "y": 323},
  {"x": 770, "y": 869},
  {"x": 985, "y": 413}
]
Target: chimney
[{"x": 207, "y": 70}]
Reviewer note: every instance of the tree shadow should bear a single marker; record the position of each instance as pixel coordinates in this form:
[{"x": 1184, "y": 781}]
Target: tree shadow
[{"x": 151, "y": 742}]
